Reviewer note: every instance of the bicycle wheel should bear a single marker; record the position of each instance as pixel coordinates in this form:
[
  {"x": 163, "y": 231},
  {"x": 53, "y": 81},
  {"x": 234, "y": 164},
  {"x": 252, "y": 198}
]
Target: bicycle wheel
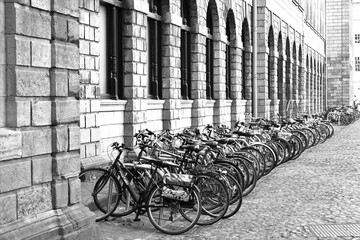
[
  {"x": 100, "y": 191},
  {"x": 214, "y": 197},
  {"x": 235, "y": 194},
  {"x": 173, "y": 216}
]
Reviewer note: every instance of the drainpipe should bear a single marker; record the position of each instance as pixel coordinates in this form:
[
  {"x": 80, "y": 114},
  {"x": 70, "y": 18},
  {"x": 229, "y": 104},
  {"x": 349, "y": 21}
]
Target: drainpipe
[{"x": 254, "y": 61}]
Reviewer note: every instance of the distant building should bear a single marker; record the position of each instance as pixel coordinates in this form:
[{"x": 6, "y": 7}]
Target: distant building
[
  {"x": 355, "y": 40},
  {"x": 77, "y": 75},
  {"x": 342, "y": 51}
]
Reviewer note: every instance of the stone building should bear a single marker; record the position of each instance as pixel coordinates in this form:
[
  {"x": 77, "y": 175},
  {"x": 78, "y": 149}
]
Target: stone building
[
  {"x": 355, "y": 39},
  {"x": 340, "y": 59},
  {"x": 77, "y": 75}
]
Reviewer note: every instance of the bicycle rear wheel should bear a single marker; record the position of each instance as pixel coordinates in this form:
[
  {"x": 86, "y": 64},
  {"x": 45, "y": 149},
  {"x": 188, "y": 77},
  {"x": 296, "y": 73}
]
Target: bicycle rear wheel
[
  {"x": 173, "y": 216},
  {"x": 100, "y": 191}
]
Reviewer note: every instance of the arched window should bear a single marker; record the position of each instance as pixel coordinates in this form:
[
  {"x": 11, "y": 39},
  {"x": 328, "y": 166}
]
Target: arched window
[
  {"x": 246, "y": 61},
  {"x": 228, "y": 60},
  {"x": 270, "y": 63},
  {"x": 209, "y": 56},
  {"x": 111, "y": 50},
  {"x": 185, "y": 51},
  {"x": 154, "y": 49}
]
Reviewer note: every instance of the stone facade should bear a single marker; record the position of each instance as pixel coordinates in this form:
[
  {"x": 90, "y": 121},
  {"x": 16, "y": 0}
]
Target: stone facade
[
  {"x": 39, "y": 129},
  {"x": 55, "y": 117},
  {"x": 339, "y": 63}
]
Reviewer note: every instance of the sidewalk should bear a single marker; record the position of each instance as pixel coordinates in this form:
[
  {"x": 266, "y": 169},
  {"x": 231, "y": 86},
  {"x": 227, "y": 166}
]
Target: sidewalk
[{"x": 316, "y": 196}]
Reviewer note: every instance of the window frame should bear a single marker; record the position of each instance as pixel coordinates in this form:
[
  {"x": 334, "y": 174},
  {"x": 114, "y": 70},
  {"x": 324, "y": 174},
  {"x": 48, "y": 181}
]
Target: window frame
[
  {"x": 357, "y": 38},
  {"x": 228, "y": 61},
  {"x": 114, "y": 53},
  {"x": 209, "y": 57},
  {"x": 185, "y": 49},
  {"x": 357, "y": 64},
  {"x": 154, "y": 21}
]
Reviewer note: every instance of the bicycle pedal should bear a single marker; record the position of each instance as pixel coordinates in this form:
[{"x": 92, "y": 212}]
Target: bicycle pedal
[{"x": 137, "y": 219}]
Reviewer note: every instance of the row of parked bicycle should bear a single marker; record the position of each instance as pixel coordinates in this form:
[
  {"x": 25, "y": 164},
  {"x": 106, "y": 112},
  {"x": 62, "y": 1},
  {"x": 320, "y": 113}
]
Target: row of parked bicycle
[
  {"x": 196, "y": 176},
  {"x": 342, "y": 115}
]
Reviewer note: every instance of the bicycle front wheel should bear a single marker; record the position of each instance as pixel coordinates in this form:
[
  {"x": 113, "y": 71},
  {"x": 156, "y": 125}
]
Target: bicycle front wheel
[
  {"x": 100, "y": 191},
  {"x": 173, "y": 216}
]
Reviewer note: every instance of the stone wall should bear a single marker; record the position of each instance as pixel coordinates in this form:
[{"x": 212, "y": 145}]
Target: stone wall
[
  {"x": 39, "y": 142},
  {"x": 339, "y": 81}
]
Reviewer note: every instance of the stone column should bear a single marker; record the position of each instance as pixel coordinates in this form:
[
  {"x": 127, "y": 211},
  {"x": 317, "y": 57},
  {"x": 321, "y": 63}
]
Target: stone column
[
  {"x": 294, "y": 87},
  {"x": 281, "y": 86},
  {"x": 274, "y": 88},
  {"x": 171, "y": 72},
  {"x": 222, "y": 110},
  {"x": 89, "y": 38},
  {"x": 135, "y": 72},
  {"x": 262, "y": 76},
  {"x": 248, "y": 81},
  {"x": 237, "y": 104},
  {"x": 198, "y": 69},
  {"x": 302, "y": 93},
  {"x": 288, "y": 87}
]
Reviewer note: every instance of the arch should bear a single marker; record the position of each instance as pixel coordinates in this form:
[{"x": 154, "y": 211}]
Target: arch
[
  {"x": 271, "y": 63},
  {"x": 212, "y": 22},
  {"x": 280, "y": 75},
  {"x": 294, "y": 74},
  {"x": 246, "y": 61},
  {"x": 230, "y": 53},
  {"x": 300, "y": 80},
  {"x": 288, "y": 71}
]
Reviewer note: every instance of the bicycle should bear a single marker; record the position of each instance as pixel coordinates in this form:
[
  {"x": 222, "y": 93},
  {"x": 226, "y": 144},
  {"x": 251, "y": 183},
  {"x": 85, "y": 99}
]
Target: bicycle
[{"x": 173, "y": 207}]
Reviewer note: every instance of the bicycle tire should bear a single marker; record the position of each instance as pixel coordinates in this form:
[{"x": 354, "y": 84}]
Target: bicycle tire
[
  {"x": 97, "y": 186},
  {"x": 161, "y": 211}
]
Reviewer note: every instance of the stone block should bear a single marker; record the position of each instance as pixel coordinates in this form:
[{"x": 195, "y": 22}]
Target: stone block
[
  {"x": 84, "y": 47},
  {"x": 10, "y": 144},
  {"x": 59, "y": 82},
  {"x": 59, "y": 194},
  {"x": 18, "y": 50},
  {"x": 74, "y": 190},
  {"x": 41, "y": 4},
  {"x": 66, "y": 111},
  {"x": 29, "y": 82},
  {"x": 84, "y": 135},
  {"x": 34, "y": 200},
  {"x": 69, "y": 7},
  {"x": 74, "y": 138},
  {"x": 89, "y": 5},
  {"x": 9, "y": 176},
  {"x": 66, "y": 165},
  {"x": 18, "y": 113},
  {"x": 19, "y": 18},
  {"x": 41, "y": 113},
  {"x": 95, "y": 77},
  {"x": 90, "y": 150},
  {"x": 84, "y": 17},
  {"x": 41, "y": 169},
  {"x": 90, "y": 120},
  {"x": 95, "y": 134},
  {"x": 40, "y": 54},
  {"x": 59, "y": 29},
  {"x": 73, "y": 31},
  {"x": 65, "y": 55},
  {"x": 74, "y": 84},
  {"x": 94, "y": 19},
  {"x": 60, "y": 138},
  {"x": 7, "y": 208},
  {"x": 42, "y": 145}
]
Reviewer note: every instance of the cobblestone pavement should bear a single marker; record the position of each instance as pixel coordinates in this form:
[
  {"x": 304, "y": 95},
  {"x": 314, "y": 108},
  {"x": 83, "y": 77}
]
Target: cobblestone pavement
[{"x": 320, "y": 187}]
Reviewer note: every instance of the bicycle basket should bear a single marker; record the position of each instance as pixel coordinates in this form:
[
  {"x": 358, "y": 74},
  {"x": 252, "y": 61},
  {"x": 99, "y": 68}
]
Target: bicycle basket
[
  {"x": 183, "y": 180},
  {"x": 177, "y": 194}
]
